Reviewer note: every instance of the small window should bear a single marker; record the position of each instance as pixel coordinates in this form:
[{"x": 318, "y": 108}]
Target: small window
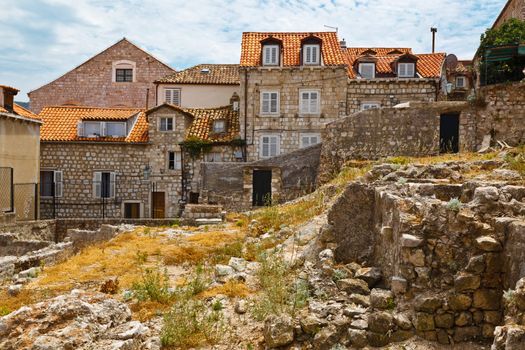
[
  {"x": 270, "y": 55},
  {"x": 174, "y": 160},
  {"x": 270, "y": 146},
  {"x": 461, "y": 82},
  {"x": 124, "y": 75},
  {"x": 104, "y": 184},
  {"x": 309, "y": 140},
  {"x": 172, "y": 96},
  {"x": 370, "y": 105},
  {"x": 309, "y": 102},
  {"x": 219, "y": 126},
  {"x": 93, "y": 129},
  {"x": 311, "y": 54},
  {"x": 115, "y": 129},
  {"x": 269, "y": 102},
  {"x": 213, "y": 157},
  {"x": 166, "y": 124},
  {"x": 405, "y": 70},
  {"x": 367, "y": 70},
  {"x": 51, "y": 183}
]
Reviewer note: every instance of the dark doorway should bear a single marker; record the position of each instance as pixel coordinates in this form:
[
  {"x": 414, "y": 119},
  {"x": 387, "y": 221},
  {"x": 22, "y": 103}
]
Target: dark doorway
[
  {"x": 262, "y": 187},
  {"x": 132, "y": 210},
  {"x": 194, "y": 197},
  {"x": 158, "y": 205},
  {"x": 449, "y": 133}
]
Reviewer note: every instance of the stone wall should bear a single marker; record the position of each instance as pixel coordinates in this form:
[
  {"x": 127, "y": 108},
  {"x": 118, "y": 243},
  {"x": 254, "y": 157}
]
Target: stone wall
[
  {"x": 43, "y": 230},
  {"x": 513, "y": 9},
  {"x": 92, "y": 83}
]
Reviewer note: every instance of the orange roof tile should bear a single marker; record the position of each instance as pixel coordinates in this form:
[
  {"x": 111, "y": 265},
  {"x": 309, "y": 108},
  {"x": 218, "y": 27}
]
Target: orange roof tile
[
  {"x": 202, "y": 124},
  {"x": 216, "y": 74},
  {"x": 429, "y": 65},
  {"x": 60, "y": 123},
  {"x": 251, "y": 48},
  {"x": 25, "y": 112},
  {"x": 380, "y": 51}
]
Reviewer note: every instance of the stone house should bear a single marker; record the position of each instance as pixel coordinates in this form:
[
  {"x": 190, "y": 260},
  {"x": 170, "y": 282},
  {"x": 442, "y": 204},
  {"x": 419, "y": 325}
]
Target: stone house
[
  {"x": 200, "y": 86},
  {"x": 292, "y": 84},
  {"x": 460, "y": 78},
  {"x": 128, "y": 163},
  {"x": 19, "y": 159},
  {"x": 512, "y": 9},
  {"x": 120, "y": 76}
]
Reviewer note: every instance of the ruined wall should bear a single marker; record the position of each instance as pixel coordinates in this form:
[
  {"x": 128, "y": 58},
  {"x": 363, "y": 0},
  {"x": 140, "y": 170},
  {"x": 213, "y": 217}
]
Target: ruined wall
[{"x": 92, "y": 83}]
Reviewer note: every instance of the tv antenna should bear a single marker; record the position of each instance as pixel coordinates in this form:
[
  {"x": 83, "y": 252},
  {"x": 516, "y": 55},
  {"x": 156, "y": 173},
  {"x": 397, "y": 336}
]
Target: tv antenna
[{"x": 336, "y": 29}]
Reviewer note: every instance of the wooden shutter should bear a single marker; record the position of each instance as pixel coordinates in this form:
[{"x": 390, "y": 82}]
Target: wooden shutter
[
  {"x": 57, "y": 179},
  {"x": 112, "y": 184},
  {"x": 97, "y": 184},
  {"x": 80, "y": 129}
]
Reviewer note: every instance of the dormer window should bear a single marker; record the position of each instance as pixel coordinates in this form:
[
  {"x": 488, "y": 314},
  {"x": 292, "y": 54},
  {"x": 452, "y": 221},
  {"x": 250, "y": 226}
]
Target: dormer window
[
  {"x": 271, "y": 55},
  {"x": 311, "y": 54},
  {"x": 367, "y": 70},
  {"x": 461, "y": 82},
  {"x": 101, "y": 129},
  {"x": 406, "y": 70},
  {"x": 219, "y": 126}
]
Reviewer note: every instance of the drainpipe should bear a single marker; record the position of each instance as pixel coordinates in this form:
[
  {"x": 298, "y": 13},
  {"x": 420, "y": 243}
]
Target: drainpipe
[
  {"x": 244, "y": 155},
  {"x": 147, "y": 98}
]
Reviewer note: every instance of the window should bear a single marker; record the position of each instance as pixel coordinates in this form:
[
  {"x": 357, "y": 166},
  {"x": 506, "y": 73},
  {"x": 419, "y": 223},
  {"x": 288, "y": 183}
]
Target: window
[
  {"x": 174, "y": 160},
  {"x": 367, "y": 70},
  {"x": 172, "y": 96},
  {"x": 115, "y": 129},
  {"x": 124, "y": 75},
  {"x": 270, "y": 55},
  {"x": 461, "y": 82},
  {"x": 104, "y": 184},
  {"x": 165, "y": 124},
  {"x": 93, "y": 129},
  {"x": 311, "y": 54},
  {"x": 213, "y": 157},
  {"x": 51, "y": 183},
  {"x": 219, "y": 126},
  {"x": 309, "y": 102},
  {"x": 370, "y": 105},
  {"x": 99, "y": 129},
  {"x": 406, "y": 70},
  {"x": 270, "y": 146},
  {"x": 269, "y": 102},
  {"x": 310, "y": 140}
]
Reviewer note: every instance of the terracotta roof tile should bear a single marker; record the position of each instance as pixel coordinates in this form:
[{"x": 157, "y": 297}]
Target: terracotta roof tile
[
  {"x": 251, "y": 48},
  {"x": 429, "y": 65},
  {"x": 202, "y": 124},
  {"x": 24, "y": 112},
  {"x": 60, "y": 123},
  {"x": 380, "y": 51},
  {"x": 215, "y": 74}
]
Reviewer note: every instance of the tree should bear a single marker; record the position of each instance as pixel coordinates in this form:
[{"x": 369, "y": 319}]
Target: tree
[{"x": 511, "y": 32}]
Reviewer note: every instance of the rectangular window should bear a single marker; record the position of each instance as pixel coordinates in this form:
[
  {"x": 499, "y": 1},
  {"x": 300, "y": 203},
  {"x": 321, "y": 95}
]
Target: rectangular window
[
  {"x": 310, "y": 140},
  {"x": 311, "y": 54},
  {"x": 460, "y": 82},
  {"x": 172, "y": 96},
  {"x": 213, "y": 157},
  {"x": 166, "y": 124},
  {"x": 405, "y": 70},
  {"x": 270, "y": 102},
  {"x": 370, "y": 105},
  {"x": 115, "y": 129},
  {"x": 51, "y": 183},
  {"x": 93, "y": 129},
  {"x": 309, "y": 102},
  {"x": 367, "y": 70},
  {"x": 219, "y": 126},
  {"x": 270, "y": 55},
  {"x": 124, "y": 75},
  {"x": 104, "y": 184},
  {"x": 270, "y": 146},
  {"x": 174, "y": 160}
]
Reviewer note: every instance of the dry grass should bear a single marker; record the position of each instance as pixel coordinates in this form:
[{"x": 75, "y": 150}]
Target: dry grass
[
  {"x": 231, "y": 288},
  {"x": 448, "y": 157}
]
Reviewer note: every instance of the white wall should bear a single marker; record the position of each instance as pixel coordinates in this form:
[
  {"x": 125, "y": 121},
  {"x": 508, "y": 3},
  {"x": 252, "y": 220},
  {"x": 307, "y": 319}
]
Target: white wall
[{"x": 199, "y": 95}]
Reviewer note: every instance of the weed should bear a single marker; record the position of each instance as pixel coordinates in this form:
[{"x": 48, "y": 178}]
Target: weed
[
  {"x": 153, "y": 286},
  {"x": 4, "y": 311},
  {"x": 399, "y": 160},
  {"x": 142, "y": 257},
  {"x": 198, "y": 282},
  {"x": 401, "y": 181},
  {"x": 454, "y": 204},
  {"x": 175, "y": 223},
  {"x": 217, "y": 305},
  {"x": 390, "y": 304},
  {"x": 147, "y": 231},
  {"x": 516, "y": 161},
  {"x": 510, "y": 297},
  {"x": 339, "y": 274}
]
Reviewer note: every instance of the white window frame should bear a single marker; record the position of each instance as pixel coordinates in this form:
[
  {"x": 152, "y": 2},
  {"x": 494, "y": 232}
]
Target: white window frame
[
  {"x": 367, "y": 64},
  {"x": 169, "y": 96},
  {"x": 310, "y": 136},
  {"x": 177, "y": 160},
  {"x": 277, "y": 143},
  {"x": 58, "y": 182},
  {"x": 100, "y": 128},
  {"x": 105, "y": 128},
  {"x": 213, "y": 157},
  {"x": 309, "y": 48},
  {"x": 403, "y": 70},
  {"x": 123, "y": 64},
  {"x": 307, "y": 107},
  {"x": 370, "y": 105},
  {"x": 267, "y": 55},
  {"x": 216, "y": 122},
  {"x": 278, "y": 106},
  {"x": 166, "y": 129},
  {"x": 97, "y": 184},
  {"x": 462, "y": 78}
]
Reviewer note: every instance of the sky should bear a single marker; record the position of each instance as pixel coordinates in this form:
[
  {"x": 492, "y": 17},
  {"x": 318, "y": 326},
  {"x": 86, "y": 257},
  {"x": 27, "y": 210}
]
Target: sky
[{"x": 42, "y": 39}]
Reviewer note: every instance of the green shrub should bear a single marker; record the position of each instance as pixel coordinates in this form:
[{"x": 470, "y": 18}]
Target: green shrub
[
  {"x": 339, "y": 274},
  {"x": 153, "y": 286},
  {"x": 454, "y": 204}
]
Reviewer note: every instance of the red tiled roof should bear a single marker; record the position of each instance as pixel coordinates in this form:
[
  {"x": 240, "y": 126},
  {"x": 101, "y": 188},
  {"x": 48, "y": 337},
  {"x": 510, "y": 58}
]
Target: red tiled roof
[
  {"x": 9, "y": 88},
  {"x": 24, "y": 112},
  {"x": 380, "y": 51},
  {"x": 214, "y": 74},
  {"x": 60, "y": 123},
  {"x": 251, "y": 48}
]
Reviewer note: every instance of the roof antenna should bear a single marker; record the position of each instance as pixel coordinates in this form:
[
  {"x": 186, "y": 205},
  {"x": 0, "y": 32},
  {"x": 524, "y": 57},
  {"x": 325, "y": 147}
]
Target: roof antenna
[
  {"x": 434, "y": 31},
  {"x": 336, "y": 29}
]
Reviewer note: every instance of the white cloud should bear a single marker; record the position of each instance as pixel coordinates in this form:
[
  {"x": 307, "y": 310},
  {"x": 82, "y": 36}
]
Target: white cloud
[{"x": 43, "y": 39}]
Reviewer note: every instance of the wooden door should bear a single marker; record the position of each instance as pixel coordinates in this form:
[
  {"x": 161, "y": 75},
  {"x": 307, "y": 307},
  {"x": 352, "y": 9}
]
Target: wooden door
[
  {"x": 158, "y": 205},
  {"x": 132, "y": 210}
]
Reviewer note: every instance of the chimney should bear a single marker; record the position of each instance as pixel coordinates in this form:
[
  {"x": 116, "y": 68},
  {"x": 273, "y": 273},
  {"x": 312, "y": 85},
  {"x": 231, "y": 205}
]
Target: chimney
[
  {"x": 434, "y": 31},
  {"x": 343, "y": 43},
  {"x": 234, "y": 101},
  {"x": 8, "y": 98}
]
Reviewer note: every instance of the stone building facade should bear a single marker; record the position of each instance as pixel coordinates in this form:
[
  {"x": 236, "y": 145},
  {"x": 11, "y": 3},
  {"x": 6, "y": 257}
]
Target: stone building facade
[
  {"x": 512, "y": 9},
  {"x": 120, "y": 76}
]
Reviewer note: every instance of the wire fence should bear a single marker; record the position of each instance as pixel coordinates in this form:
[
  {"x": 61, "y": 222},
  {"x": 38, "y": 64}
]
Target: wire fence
[
  {"x": 6, "y": 190},
  {"x": 21, "y": 198}
]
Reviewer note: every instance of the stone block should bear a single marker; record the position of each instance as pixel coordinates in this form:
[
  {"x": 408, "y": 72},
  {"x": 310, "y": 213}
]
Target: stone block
[
  {"x": 424, "y": 322},
  {"x": 464, "y": 282},
  {"x": 487, "y": 299}
]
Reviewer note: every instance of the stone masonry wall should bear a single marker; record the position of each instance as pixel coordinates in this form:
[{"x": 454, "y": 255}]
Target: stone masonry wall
[
  {"x": 514, "y": 9},
  {"x": 91, "y": 83}
]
